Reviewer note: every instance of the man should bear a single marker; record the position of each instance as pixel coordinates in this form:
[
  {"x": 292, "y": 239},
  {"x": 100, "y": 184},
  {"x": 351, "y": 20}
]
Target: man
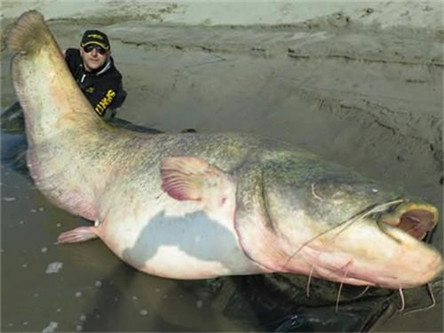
[{"x": 93, "y": 69}]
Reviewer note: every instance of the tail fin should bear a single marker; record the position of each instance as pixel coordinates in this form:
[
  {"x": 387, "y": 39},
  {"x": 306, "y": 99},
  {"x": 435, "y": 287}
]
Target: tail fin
[{"x": 29, "y": 33}]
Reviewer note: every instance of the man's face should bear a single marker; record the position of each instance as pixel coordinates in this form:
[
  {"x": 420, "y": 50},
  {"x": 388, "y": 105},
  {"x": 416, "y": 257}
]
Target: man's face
[{"x": 93, "y": 56}]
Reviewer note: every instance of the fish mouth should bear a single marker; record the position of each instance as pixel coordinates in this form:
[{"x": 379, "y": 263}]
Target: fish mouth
[{"x": 415, "y": 219}]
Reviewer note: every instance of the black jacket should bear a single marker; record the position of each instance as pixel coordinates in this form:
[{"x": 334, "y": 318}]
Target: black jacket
[{"x": 102, "y": 87}]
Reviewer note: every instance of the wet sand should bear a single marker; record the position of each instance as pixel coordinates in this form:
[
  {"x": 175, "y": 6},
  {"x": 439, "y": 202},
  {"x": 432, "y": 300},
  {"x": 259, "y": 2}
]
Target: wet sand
[{"x": 358, "y": 85}]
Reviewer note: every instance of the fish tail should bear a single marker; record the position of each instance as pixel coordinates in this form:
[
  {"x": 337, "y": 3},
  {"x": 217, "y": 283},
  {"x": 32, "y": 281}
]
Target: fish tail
[{"x": 29, "y": 34}]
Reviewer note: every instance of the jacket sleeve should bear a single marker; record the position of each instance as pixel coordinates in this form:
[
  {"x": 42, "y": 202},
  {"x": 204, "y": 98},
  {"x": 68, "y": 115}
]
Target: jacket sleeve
[
  {"x": 103, "y": 99},
  {"x": 110, "y": 95}
]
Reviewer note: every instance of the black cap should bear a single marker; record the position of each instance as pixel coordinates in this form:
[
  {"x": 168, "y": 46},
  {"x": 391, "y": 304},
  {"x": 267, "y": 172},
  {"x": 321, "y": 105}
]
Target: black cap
[{"x": 95, "y": 37}]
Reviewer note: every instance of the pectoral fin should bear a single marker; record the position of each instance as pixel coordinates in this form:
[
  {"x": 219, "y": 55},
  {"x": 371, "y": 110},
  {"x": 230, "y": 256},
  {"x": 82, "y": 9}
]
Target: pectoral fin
[{"x": 192, "y": 178}]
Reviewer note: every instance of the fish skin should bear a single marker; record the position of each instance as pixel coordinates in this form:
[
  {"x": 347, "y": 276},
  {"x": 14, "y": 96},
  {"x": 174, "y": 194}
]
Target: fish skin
[{"x": 262, "y": 205}]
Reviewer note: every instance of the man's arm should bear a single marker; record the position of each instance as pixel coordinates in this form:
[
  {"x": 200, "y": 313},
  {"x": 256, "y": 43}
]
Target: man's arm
[
  {"x": 108, "y": 99},
  {"x": 102, "y": 100}
]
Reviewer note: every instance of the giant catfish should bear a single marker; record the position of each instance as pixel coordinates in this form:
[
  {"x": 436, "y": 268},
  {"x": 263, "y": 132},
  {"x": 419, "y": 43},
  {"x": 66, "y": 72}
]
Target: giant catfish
[{"x": 194, "y": 206}]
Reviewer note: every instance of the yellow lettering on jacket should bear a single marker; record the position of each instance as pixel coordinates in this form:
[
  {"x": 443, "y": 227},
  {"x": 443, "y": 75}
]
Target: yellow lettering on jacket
[{"x": 105, "y": 102}]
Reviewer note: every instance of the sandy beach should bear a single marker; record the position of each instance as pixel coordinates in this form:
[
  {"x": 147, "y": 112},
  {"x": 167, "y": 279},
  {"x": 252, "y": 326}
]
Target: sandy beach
[{"x": 358, "y": 83}]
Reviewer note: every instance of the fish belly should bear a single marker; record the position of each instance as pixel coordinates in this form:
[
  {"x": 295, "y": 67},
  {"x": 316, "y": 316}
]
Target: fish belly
[{"x": 176, "y": 240}]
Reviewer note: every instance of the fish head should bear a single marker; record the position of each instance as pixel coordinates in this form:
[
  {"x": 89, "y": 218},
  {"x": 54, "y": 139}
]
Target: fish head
[
  {"x": 383, "y": 246},
  {"x": 379, "y": 245},
  {"x": 324, "y": 221}
]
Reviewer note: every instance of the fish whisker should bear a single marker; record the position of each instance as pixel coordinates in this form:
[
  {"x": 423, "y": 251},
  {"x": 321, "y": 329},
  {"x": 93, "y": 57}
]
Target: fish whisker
[
  {"x": 384, "y": 230},
  {"x": 431, "y": 306},
  {"x": 314, "y": 192},
  {"x": 368, "y": 211},
  {"x": 340, "y": 287},
  {"x": 309, "y": 280},
  {"x": 361, "y": 294},
  {"x": 401, "y": 295},
  {"x": 345, "y": 224}
]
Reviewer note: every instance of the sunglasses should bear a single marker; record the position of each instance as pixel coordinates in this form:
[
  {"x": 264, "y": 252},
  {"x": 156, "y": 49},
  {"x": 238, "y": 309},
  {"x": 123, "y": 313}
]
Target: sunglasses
[{"x": 90, "y": 47}]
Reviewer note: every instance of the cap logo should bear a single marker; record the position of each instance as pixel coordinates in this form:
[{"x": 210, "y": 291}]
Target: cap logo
[{"x": 95, "y": 36}]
